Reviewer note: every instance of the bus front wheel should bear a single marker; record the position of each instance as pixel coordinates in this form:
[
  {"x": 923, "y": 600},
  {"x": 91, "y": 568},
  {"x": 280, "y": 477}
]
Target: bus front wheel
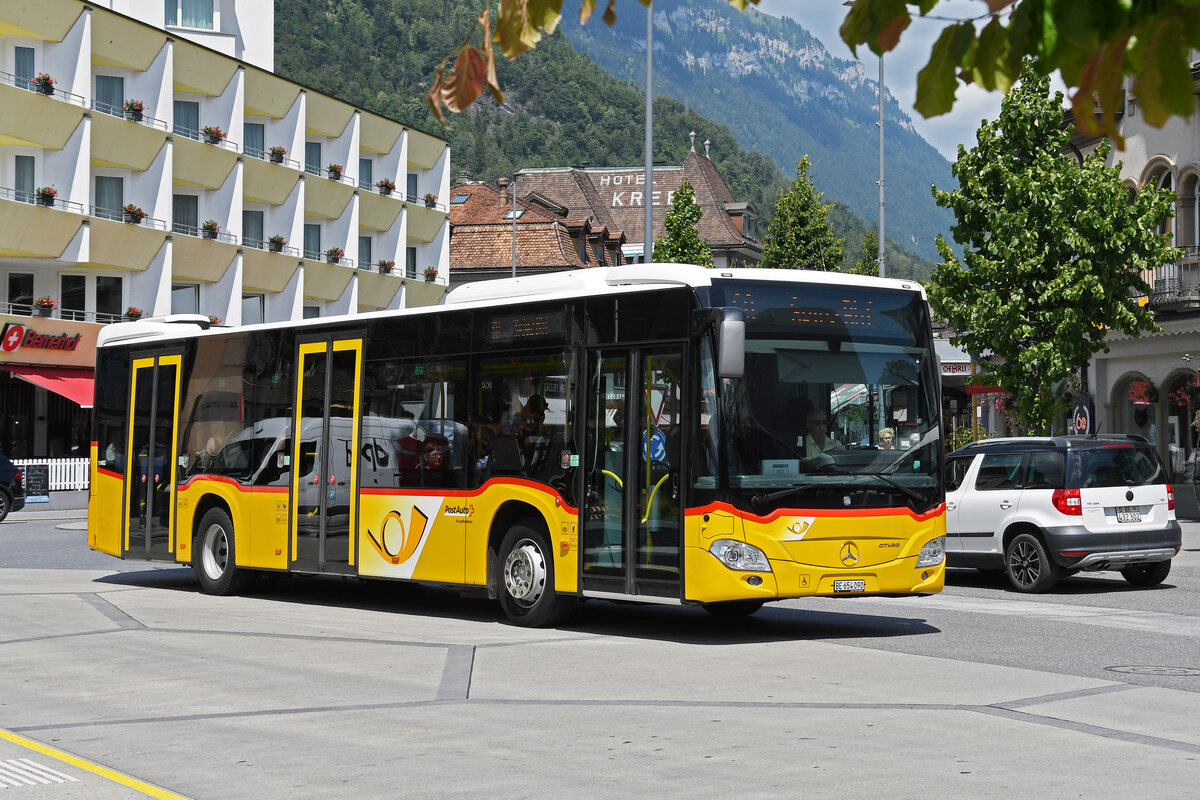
[
  {"x": 526, "y": 581},
  {"x": 213, "y": 556}
]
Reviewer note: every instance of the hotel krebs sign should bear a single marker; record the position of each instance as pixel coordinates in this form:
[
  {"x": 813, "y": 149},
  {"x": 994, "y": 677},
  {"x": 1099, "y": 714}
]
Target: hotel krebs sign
[{"x": 56, "y": 342}]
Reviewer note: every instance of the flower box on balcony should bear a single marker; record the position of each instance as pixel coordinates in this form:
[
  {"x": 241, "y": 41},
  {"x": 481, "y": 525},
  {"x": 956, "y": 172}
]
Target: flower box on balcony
[
  {"x": 209, "y": 229},
  {"x": 277, "y": 154},
  {"x": 213, "y": 134},
  {"x": 275, "y": 243},
  {"x": 133, "y": 110},
  {"x": 44, "y": 83},
  {"x": 334, "y": 254},
  {"x": 132, "y": 214},
  {"x": 46, "y": 195}
]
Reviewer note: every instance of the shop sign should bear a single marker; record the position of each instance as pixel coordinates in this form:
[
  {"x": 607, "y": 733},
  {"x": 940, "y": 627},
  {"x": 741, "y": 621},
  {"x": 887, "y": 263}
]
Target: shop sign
[{"x": 52, "y": 342}]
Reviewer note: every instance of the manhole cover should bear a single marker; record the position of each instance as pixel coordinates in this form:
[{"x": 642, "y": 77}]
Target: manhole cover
[{"x": 1139, "y": 669}]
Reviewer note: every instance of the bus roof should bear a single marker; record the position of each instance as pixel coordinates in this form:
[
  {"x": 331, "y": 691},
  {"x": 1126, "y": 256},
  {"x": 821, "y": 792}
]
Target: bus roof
[
  {"x": 597, "y": 280},
  {"x": 567, "y": 284}
]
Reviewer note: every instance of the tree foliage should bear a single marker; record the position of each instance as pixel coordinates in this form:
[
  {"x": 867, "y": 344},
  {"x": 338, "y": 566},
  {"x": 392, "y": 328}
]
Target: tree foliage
[
  {"x": 867, "y": 262},
  {"x": 799, "y": 235},
  {"x": 1052, "y": 251},
  {"x": 1094, "y": 44},
  {"x": 682, "y": 244},
  {"x": 519, "y": 26}
]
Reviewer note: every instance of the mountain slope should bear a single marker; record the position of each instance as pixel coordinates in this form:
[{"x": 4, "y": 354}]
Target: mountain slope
[
  {"x": 561, "y": 108},
  {"x": 781, "y": 93}
]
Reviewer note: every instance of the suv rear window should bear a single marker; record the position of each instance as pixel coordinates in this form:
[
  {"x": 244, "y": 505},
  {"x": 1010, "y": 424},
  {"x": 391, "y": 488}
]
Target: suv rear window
[{"x": 1115, "y": 465}]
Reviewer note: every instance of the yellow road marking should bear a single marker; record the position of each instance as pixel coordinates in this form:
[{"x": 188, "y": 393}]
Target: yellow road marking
[{"x": 104, "y": 772}]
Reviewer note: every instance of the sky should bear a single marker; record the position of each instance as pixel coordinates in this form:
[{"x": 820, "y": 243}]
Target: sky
[{"x": 822, "y": 18}]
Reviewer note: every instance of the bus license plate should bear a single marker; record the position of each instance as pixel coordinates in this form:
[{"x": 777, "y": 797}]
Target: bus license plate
[
  {"x": 1128, "y": 514},
  {"x": 850, "y": 586}
]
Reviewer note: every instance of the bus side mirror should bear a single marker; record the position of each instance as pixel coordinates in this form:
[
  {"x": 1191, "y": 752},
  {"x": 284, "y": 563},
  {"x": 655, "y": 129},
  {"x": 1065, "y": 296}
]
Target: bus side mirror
[{"x": 731, "y": 343}]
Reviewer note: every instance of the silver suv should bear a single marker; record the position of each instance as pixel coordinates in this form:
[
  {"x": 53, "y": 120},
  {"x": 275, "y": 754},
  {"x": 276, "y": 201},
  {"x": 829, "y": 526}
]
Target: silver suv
[{"x": 1044, "y": 508}]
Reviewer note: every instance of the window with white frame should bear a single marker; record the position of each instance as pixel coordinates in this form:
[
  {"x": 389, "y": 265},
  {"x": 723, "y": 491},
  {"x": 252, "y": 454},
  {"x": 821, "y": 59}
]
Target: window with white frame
[
  {"x": 110, "y": 196},
  {"x": 185, "y": 298},
  {"x": 188, "y": 14},
  {"x": 252, "y": 309},
  {"x": 110, "y": 95},
  {"x": 110, "y": 294}
]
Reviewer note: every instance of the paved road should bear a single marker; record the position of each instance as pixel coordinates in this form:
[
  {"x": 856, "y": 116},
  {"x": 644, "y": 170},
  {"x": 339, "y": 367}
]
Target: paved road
[{"x": 324, "y": 688}]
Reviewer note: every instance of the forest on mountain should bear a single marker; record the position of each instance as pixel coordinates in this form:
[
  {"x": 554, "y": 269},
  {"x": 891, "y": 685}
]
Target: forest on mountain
[{"x": 561, "y": 108}]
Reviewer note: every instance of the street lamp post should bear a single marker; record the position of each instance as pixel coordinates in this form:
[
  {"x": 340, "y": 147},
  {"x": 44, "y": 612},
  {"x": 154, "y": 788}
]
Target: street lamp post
[
  {"x": 882, "y": 268},
  {"x": 882, "y": 239},
  {"x": 648, "y": 194}
]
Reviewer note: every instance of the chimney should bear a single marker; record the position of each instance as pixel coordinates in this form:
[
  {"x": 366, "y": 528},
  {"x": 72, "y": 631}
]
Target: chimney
[
  {"x": 464, "y": 177},
  {"x": 692, "y": 138},
  {"x": 502, "y": 183},
  {"x": 706, "y": 144}
]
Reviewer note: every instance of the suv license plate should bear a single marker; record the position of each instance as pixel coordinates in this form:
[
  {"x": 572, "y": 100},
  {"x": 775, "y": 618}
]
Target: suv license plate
[
  {"x": 850, "y": 586},
  {"x": 1128, "y": 514}
]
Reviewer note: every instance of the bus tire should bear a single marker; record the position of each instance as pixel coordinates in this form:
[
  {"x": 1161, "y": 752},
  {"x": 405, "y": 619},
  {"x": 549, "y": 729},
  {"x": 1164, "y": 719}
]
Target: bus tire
[
  {"x": 525, "y": 584},
  {"x": 733, "y": 609},
  {"x": 213, "y": 556}
]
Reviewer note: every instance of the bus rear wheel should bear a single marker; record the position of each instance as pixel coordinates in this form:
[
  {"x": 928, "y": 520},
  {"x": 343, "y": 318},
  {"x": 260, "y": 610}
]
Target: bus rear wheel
[
  {"x": 213, "y": 551},
  {"x": 525, "y": 585}
]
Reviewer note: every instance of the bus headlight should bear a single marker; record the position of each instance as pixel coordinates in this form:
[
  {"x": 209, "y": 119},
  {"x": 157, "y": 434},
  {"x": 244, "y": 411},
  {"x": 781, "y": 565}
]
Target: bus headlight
[
  {"x": 932, "y": 553},
  {"x": 740, "y": 556}
]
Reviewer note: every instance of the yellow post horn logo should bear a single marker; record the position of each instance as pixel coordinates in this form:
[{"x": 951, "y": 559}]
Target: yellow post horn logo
[{"x": 396, "y": 543}]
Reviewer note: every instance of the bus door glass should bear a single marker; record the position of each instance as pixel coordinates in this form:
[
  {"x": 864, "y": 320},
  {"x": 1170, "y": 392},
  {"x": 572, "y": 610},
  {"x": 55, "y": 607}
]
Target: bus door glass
[
  {"x": 150, "y": 470},
  {"x": 631, "y": 516},
  {"x": 324, "y": 464}
]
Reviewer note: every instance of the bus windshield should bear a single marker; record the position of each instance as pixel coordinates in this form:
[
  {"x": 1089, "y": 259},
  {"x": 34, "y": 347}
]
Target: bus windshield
[{"x": 839, "y": 403}]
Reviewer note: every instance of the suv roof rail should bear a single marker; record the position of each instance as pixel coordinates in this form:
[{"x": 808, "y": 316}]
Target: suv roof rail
[{"x": 1058, "y": 441}]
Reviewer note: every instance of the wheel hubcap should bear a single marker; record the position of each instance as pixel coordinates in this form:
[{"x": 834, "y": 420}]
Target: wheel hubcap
[
  {"x": 525, "y": 573},
  {"x": 216, "y": 552},
  {"x": 1025, "y": 564}
]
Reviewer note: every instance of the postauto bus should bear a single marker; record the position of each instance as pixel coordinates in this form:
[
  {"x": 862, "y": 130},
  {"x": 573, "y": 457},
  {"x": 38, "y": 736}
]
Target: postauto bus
[{"x": 635, "y": 433}]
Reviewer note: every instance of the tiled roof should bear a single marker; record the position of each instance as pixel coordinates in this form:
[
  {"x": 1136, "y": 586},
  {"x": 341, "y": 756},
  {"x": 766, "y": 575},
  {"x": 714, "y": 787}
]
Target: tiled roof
[{"x": 613, "y": 197}]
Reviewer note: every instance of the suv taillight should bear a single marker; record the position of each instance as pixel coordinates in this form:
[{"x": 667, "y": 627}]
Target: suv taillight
[
  {"x": 1170, "y": 498},
  {"x": 18, "y": 475},
  {"x": 1067, "y": 502}
]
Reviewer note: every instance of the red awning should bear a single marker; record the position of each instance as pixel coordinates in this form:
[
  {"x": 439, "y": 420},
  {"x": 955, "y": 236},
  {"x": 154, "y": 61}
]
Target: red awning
[{"x": 73, "y": 384}]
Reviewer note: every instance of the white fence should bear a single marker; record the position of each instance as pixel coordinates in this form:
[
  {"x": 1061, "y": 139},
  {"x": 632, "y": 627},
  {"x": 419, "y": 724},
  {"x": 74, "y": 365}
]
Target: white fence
[{"x": 65, "y": 473}]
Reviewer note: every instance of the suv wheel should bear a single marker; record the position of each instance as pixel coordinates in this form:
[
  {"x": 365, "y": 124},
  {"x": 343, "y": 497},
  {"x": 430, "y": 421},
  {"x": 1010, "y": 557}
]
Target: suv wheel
[
  {"x": 5, "y": 504},
  {"x": 1028, "y": 565},
  {"x": 1147, "y": 574}
]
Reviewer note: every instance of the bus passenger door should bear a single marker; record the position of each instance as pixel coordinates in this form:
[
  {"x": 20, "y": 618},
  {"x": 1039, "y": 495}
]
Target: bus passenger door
[
  {"x": 325, "y": 469},
  {"x": 150, "y": 467},
  {"x": 632, "y": 518}
]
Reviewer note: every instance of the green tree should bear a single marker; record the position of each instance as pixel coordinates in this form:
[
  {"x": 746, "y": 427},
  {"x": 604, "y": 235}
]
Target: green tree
[
  {"x": 682, "y": 244},
  {"x": 1094, "y": 44},
  {"x": 1052, "y": 251},
  {"x": 867, "y": 262},
  {"x": 799, "y": 235}
]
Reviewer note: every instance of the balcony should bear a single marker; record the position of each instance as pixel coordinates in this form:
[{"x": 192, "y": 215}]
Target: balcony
[{"x": 1176, "y": 287}]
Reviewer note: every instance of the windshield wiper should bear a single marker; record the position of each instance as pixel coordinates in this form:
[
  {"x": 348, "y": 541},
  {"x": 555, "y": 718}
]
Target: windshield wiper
[
  {"x": 759, "y": 501},
  {"x": 912, "y": 494}
]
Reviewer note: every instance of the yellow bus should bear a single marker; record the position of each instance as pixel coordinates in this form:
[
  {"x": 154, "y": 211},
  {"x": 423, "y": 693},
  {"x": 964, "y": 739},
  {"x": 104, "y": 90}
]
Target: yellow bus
[{"x": 644, "y": 433}]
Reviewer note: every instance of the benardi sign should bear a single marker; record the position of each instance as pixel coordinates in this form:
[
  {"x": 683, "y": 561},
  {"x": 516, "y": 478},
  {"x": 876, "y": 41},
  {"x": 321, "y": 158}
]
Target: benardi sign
[{"x": 52, "y": 342}]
